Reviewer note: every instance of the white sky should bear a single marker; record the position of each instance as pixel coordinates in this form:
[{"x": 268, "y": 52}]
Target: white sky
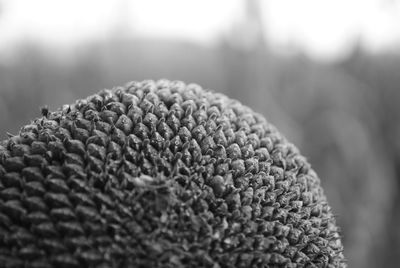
[{"x": 323, "y": 28}]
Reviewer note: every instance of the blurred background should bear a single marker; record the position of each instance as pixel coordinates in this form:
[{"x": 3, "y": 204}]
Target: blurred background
[{"x": 326, "y": 73}]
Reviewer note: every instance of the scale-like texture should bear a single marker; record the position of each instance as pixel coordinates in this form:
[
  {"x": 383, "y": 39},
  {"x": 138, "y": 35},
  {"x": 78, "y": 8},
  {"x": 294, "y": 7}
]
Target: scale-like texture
[{"x": 160, "y": 174}]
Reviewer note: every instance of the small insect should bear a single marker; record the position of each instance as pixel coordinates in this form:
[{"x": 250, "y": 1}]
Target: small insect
[{"x": 45, "y": 111}]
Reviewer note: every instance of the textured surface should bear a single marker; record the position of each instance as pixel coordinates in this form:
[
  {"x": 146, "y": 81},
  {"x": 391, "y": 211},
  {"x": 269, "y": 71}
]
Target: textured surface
[{"x": 160, "y": 174}]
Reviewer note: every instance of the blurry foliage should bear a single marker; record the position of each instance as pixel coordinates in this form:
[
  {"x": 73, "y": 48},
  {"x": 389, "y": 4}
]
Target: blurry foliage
[{"x": 343, "y": 116}]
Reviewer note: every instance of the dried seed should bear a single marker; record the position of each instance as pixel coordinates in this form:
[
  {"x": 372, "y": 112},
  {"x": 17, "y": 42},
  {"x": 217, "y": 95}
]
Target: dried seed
[{"x": 160, "y": 174}]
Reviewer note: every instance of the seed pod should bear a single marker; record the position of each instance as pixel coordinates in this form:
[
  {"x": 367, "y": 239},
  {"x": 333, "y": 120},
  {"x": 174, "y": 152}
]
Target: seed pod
[{"x": 160, "y": 174}]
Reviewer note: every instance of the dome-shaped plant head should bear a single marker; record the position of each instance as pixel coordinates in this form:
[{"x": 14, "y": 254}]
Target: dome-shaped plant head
[{"x": 160, "y": 174}]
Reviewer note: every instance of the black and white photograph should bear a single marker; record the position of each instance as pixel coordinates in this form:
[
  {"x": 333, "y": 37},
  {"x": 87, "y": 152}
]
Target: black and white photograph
[{"x": 188, "y": 133}]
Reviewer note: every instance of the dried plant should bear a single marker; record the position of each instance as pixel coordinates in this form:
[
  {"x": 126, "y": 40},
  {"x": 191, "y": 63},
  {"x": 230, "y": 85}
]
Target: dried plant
[{"x": 160, "y": 174}]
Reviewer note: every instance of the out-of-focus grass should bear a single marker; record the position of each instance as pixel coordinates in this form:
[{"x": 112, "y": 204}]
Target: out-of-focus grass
[{"x": 344, "y": 117}]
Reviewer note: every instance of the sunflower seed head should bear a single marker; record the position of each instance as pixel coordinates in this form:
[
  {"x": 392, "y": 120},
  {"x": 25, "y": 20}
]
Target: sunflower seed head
[{"x": 160, "y": 174}]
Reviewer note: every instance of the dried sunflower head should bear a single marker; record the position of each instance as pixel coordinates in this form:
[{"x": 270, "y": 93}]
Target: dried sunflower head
[{"x": 160, "y": 174}]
